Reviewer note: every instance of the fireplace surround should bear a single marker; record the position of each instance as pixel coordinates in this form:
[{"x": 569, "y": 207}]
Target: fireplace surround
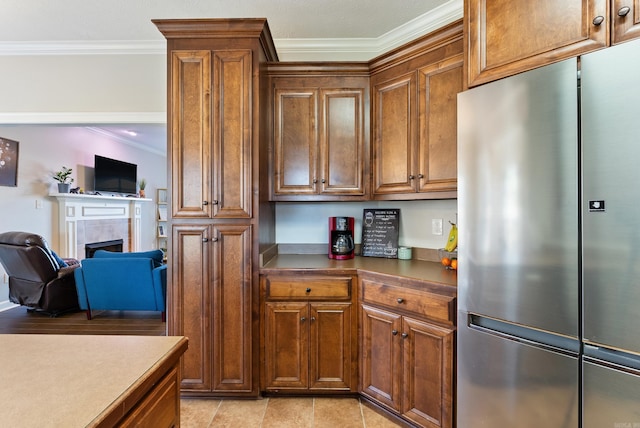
[{"x": 93, "y": 218}]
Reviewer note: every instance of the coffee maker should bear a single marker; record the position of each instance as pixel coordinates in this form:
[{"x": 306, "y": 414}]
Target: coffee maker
[{"x": 341, "y": 244}]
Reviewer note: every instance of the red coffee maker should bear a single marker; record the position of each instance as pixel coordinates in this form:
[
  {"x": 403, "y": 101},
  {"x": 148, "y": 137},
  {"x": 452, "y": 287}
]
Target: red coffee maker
[{"x": 341, "y": 244}]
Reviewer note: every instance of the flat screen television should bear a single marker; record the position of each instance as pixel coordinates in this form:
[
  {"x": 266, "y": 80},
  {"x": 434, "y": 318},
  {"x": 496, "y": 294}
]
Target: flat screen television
[{"x": 111, "y": 175}]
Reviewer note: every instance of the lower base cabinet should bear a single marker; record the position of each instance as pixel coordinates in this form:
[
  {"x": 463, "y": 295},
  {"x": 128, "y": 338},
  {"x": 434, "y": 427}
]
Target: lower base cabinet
[
  {"x": 310, "y": 336},
  {"x": 406, "y": 359}
]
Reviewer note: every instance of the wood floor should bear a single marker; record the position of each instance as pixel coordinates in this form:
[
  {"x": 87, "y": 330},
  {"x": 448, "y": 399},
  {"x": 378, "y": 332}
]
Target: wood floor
[{"x": 20, "y": 321}]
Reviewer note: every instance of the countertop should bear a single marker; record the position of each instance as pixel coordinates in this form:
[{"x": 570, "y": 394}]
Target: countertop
[
  {"x": 412, "y": 269},
  {"x": 76, "y": 381}
]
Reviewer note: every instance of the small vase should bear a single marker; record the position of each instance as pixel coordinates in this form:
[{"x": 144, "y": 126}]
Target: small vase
[
  {"x": 63, "y": 187},
  {"x": 142, "y": 193}
]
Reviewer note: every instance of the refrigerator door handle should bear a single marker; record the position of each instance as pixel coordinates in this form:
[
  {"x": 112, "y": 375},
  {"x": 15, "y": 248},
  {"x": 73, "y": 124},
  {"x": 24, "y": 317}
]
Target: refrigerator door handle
[
  {"x": 526, "y": 335},
  {"x": 620, "y": 359}
]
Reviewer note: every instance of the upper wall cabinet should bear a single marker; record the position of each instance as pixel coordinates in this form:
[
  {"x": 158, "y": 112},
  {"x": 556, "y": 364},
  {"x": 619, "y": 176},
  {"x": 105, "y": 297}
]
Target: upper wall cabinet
[
  {"x": 414, "y": 103},
  {"x": 506, "y": 37},
  {"x": 321, "y": 132}
]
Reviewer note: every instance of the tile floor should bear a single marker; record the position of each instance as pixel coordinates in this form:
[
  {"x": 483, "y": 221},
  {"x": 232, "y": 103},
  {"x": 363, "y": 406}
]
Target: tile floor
[{"x": 280, "y": 412}]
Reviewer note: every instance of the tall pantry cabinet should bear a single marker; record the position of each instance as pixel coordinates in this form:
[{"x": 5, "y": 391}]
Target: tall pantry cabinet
[{"x": 216, "y": 97}]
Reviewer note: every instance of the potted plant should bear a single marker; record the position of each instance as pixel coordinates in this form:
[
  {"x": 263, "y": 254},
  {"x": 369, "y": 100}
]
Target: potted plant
[
  {"x": 142, "y": 185},
  {"x": 64, "y": 179}
]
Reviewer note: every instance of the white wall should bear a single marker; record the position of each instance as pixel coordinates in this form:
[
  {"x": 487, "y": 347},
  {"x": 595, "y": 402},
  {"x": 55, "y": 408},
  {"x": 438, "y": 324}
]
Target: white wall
[{"x": 45, "y": 149}]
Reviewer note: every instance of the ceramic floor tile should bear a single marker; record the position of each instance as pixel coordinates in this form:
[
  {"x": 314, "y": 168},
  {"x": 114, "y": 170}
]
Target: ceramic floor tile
[
  {"x": 373, "y": 419},
  {"x": 240, "y": 413},
  {"x": 337, "y": 412},
  {"x": 289, "y": 412},
  {"x": 197, "y": 413}
]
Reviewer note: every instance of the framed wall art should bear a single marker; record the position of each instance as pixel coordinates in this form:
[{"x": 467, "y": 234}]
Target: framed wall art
[{"x": 8, "y": 162}]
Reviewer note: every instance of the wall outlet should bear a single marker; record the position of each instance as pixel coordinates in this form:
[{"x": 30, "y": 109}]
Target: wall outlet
[
  {"x": 38, "y": 204},
  {"x": 436, "y": 226},
  {"x": 5, "y": 278}
]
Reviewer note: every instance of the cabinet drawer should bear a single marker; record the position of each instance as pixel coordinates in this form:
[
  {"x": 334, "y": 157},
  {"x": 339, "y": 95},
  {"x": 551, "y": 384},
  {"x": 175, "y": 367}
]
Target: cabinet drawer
[
  {"x": 160, "y": 408},
  {"x": 308, "y": 287},
  {"x": 421, "y": 303}
]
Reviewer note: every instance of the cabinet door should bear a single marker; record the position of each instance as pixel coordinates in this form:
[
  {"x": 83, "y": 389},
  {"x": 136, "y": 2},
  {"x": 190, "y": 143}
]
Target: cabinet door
[
  {"x": 394, "y": 135},
  {"x": 439, "y": 85},
  {"x": 295, "y": 141},
  {"x": 342, "y": 142},
  {"x": 189, "y": 301},
  {"x": 626, "y": 25},
  {"x": 506, "y": 37},
  {"x": 428, "y": 373},
  {"x": 232, "y": 134},
  {"x": 380, "y": 369},
  {"x": 190, "y": 137},
  {"x": 232, "y": 308},
  {"x": 331, "y": 341},
  {"x": 286, "y": 345}
]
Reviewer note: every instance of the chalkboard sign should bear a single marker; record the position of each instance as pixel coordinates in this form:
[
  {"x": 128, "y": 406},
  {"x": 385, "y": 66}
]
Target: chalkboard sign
[{"x": 380, "y": 228}]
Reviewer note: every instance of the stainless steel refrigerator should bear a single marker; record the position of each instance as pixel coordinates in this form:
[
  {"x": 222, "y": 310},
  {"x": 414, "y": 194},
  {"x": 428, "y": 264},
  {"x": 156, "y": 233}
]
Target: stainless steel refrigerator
[{"x": 549, "y": 246}]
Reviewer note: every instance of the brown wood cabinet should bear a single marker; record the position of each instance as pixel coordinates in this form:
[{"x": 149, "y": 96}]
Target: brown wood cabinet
[
  {"x": 321, "y": 131},
  {"x": 506, "y": 38},
  {"x": 414, "y": 111},
  {"x": 216, "y": 118},
  {"x": 211, "y": 299},
  {"x": 407, "y": 349},
  {"x": 310, "y": 334}
]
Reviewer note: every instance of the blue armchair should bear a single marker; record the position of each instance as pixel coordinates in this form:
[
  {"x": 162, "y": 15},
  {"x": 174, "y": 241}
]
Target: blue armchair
[{"x": 122, "y": 281}]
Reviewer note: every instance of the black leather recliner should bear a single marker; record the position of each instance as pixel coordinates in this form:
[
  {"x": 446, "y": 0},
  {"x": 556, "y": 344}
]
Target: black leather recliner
[{"x": 36, "y": 278}]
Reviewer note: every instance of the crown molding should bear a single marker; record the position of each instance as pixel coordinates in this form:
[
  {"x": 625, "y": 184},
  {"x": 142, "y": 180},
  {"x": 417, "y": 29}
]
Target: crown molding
[
  {"x": 82, "y": 118},
  {"x": 364, "y": 49},
  {"x": 103, "y": 47},
  {"x": 123, "y": 140},
  {"x": 357, "y": 49}
]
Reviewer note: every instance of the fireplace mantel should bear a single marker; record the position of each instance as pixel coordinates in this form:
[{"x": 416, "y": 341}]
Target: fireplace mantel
[{"x": 73, "y": 207}]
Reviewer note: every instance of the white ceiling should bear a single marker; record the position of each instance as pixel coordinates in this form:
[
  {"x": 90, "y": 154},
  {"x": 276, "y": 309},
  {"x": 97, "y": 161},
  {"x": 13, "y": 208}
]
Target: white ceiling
[{"x": 371, "y": 26}]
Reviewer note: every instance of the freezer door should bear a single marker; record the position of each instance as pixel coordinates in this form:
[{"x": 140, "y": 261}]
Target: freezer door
[
  {"x": 611, "y": 396},
  {"x": 611, "y": 196},
  {"x": 518, "y": 199},
  {"x": 503, "y": 382}
]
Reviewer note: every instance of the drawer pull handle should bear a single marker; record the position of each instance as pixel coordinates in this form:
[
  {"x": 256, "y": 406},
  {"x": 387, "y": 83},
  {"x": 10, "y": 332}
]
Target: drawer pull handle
[
  {"x": 405, "y": 335},
  {"x": 394, "y": 332},
  {"x": 598, "y": 20},
  {"x": 303, "y": 319},
  {"x": 400, "y": 300},
  {"x": 308, "y": 290}
]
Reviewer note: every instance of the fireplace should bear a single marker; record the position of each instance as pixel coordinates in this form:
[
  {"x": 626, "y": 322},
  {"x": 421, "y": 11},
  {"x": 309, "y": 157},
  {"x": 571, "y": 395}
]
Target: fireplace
[
  {"x": 114, "y": 245},
  {"x": 84, "y": 219}
]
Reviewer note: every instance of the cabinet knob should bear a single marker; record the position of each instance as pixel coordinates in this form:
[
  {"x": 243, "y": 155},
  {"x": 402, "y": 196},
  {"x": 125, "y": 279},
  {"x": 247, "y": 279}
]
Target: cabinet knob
[
  {"x": 598, "y": 20},
  {"x": 411, "y": 177},
  {"x": 308, "y": 290},
  {"x": 205, "y": 202},
  {"x": 205, "y": 239},
  {"x": 215, "y": 202},
  {"x": 394, "y": 332},
  {"x": 323, "y": 180},
  {"x": 315, "y": 180},
  {"x": 624, "y": 11},
  {"x": 214, "y": 239},
  {"x": 420, "y": 176},
  {"x": 405, "y": 335},
  {"x": 400, "y": 300},
  {"x": 303, "y": 319},
  {"x": 313, "y": 319}
]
